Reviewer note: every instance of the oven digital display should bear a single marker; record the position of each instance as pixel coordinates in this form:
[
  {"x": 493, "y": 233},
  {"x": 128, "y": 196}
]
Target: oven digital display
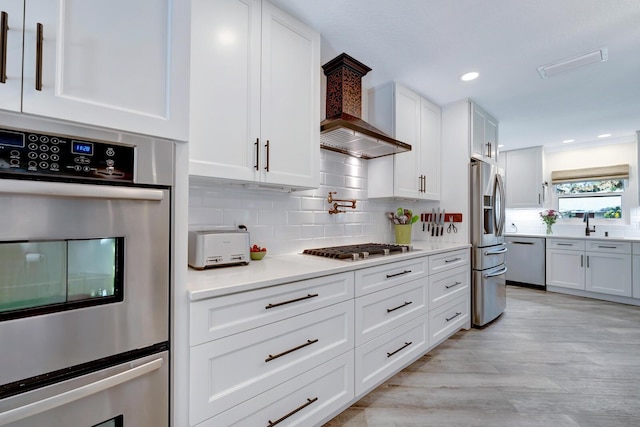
[
  {"x": 81, "y": 147},
  {"x": 11, "y": 139}
]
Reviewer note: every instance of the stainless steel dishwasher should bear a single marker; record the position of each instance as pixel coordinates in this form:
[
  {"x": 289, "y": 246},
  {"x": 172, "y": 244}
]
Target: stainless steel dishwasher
[{"x": 525, "y": 260}]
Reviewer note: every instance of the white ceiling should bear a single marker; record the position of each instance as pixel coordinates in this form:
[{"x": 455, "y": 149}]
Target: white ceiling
[{"x": 428, "y": 44}]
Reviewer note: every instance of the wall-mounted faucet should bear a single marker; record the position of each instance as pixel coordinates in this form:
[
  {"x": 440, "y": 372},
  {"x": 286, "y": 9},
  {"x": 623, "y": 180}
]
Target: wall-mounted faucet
[{"x": 587, "y": 230}]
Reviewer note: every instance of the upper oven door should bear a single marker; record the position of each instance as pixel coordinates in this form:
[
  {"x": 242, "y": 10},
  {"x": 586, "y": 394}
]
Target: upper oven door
[{"x": 84, "y": 273}]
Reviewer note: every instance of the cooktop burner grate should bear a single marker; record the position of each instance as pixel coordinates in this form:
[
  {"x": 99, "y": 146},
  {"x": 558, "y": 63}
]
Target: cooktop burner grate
[{"x": 360, "y": 251}]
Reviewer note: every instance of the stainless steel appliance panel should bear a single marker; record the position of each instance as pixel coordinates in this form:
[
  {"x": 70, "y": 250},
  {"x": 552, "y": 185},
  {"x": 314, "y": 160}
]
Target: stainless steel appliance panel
[
  {"x": 526, "y": 260},
  {"x": 489, "y": 295},
  {"x": 62, "y": 339},
  {"x": 135, "y": 393}
]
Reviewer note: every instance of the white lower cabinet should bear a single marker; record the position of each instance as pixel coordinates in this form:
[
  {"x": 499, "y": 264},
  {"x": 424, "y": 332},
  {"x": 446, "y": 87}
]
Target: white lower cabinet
[
  {"x": 635, "y": 271},
  {"x": 594, "y": 265},
  {"x": 301, "y": 352},
  {"x": 302, "y": 401},
  {"x": 382, "y": 357}
]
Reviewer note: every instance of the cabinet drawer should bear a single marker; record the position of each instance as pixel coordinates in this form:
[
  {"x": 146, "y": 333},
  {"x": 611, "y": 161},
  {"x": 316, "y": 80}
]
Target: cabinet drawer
[
  {"x": 219, "y": 317},
  {"x": 609, "y": 246},
  {"x": 230, "y": 370},
  {"x": 382, "y": 311},
  {"x": 567, "y": 244},
  {"x": 385, "y": 276},
  {"x": 308, "y": 398},
  {"x": 448, "y": 319},
  {"x": 382, "y": 357},
  {"x": 636, "y": 248},
  {"x": 448, "y": 260},
  {"x": 447, "y": 286}
]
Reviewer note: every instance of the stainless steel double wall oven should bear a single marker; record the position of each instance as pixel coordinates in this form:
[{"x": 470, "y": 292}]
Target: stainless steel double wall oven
[{"x": 84, "y": 277}]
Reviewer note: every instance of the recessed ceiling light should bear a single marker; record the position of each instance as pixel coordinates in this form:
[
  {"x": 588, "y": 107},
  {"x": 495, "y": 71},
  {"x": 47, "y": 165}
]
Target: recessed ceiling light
[
  {"x": 604, "y": 135},
  {"x": 467, "y": 77},
  {"x": 568, "y": 141}
]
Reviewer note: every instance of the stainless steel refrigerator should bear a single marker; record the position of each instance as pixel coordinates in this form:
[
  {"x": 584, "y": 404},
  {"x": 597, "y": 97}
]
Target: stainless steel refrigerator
[{"x": 489, "y": 296}]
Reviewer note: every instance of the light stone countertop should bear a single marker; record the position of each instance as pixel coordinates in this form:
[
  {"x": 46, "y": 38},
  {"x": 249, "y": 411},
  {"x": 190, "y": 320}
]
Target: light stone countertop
[
  {"x": 567, "y": 236},
  {"x": 279, "y": 269}
]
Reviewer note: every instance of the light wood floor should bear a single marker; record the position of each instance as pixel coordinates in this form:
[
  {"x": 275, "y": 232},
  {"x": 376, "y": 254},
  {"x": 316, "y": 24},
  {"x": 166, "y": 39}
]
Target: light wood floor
[{"x": 550, "y": 360}]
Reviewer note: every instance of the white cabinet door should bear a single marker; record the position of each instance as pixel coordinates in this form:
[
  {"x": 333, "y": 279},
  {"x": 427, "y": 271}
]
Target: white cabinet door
[
  {"x": 430, "y": 149},
  {"x": 406, "y": 182},
  {"x": 255, "y": 95},
  {"x": 224, "y": 138},
  {"x": 565, "y": 268},
  {"x": 524, "y": 178},
  {"x": 120, "y": 64},
  {"x": 608, "y": 273},
  {"x": 635, "y": 274},
  {"x": 290, "y": 101},
  {"x": 484, "y": 135},
  {"x": 11, "y": 85}
]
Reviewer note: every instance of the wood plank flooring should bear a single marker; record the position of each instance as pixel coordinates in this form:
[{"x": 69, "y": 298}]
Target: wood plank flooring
[{"x": 550, "y": 360}]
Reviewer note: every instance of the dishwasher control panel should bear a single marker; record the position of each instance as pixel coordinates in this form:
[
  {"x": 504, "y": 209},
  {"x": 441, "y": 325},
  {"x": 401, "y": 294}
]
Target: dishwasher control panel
[{"x": 28, "y": 153}]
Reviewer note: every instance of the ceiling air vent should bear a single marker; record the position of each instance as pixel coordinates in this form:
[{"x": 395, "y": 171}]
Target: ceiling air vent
[{"x": 574, "y": 62}]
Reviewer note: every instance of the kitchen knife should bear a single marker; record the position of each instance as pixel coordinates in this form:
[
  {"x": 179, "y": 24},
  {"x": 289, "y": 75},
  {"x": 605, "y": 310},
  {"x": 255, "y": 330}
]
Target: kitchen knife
[
  {"x": 442, "y": 218},
  {"x": 433, "y": 221}
]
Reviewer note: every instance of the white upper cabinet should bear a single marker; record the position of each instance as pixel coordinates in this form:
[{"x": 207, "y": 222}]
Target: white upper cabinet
[
  {"x": 11, "y": 38},
  {"x": 120, "y": 64},
  {"x": 409, "y": 118},
  {"x": 484, "y": 135},
  {"x": 524, "y": 185},
  {"x": 255, "y": 95}
]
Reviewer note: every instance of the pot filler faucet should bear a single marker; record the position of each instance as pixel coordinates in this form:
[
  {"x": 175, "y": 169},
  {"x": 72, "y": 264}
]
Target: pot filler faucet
[{"x": 587, "y": 230}]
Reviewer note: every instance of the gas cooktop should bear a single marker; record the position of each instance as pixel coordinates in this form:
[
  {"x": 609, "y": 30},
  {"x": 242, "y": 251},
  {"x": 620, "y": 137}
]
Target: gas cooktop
[{"x": 360, "y": 251}]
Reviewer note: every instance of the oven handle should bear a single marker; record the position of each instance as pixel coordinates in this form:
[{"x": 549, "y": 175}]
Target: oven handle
[
  {"x": 89, "y": 191},
  {"x": 67, "y": 397}
]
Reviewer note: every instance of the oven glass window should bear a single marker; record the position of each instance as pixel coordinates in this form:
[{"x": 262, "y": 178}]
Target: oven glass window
[
  {"x": 114, "y": 422},
  {"x": 38, "y": 277}
]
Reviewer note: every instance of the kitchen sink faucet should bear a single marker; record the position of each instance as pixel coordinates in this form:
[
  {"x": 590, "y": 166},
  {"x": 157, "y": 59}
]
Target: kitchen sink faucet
[{"x": 587, "y": 230}]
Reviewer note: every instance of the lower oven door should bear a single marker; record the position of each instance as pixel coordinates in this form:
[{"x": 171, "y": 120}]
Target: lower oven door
[
  {"x": 132, "y": 394},
  {"x": 489, "y": 294}
]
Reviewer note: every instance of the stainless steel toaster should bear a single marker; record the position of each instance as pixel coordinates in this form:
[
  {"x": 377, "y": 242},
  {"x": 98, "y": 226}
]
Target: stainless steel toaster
[{"x": 210, "y": 248}]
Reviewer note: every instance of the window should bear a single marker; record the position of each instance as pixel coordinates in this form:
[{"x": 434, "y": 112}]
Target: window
[{"x": 603, "y": 198}]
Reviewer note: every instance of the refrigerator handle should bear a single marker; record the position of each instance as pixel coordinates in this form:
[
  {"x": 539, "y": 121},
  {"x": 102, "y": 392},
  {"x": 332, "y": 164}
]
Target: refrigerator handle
[
  {"x": 497, "y": 252},
  {"x": 497, "y": 273},
  {"x": 499, "y": 195}
]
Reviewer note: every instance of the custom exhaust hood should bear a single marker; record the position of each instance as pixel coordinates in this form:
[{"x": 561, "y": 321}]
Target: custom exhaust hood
[{"x": 343, "y": 130}]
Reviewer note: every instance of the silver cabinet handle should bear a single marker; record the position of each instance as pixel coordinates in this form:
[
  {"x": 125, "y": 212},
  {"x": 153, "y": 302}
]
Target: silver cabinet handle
[
  {"x": 581, "y": 260},
  {"x": 75, "y": 394},
  {"x": 607, "y": 247},
  {"x": 4, "y": 34},
  {"x": 39, "y": 47},
  {"x": 587, "y": 261},
  {"x": 452, "y": 260},
  {"x": 454, "y": 285},
  {"x": 564, "y": 244}
]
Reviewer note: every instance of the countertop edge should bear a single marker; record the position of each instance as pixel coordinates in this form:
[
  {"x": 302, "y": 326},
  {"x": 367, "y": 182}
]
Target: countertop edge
[
  {"x": 282, "y": 269},
  {"x": 565, "y": 236}
]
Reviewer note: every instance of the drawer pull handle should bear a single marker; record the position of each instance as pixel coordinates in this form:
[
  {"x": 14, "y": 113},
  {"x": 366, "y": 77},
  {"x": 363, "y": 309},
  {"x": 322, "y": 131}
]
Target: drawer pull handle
[
  {"x": 4, "y": 29},
  {"x": 452, "y": 260},
  {"x": 564, "y": 244},
  {"x": 309, "y": 342},
  {"x": 278, "y": 304},
  {"x": 389, "y": 310},
  {"x": 451, "y": 286},
  {"x": 454, "y": 316},
  {"x": 398, "y": 274},
  {"x": 406, "y": 344},
  {"x": 521, "y": 243},
  {"x": 298, "y": 409},
  {"x": 607, "y": 247},
  {"x": 39, "y": 47}
]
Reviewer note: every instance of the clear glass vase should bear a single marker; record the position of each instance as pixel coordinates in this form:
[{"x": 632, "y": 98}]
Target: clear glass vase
[{"x": 549, "y": 230}]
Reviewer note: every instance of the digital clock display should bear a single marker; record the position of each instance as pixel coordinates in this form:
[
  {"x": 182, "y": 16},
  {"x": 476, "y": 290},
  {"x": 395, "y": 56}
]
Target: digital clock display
[
  {"x": 11, "y": 139},
  {"x": 81, "y": 147}
]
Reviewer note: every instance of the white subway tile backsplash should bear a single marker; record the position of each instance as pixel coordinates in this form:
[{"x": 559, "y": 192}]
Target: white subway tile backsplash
[{"x": 291, "y": 222}]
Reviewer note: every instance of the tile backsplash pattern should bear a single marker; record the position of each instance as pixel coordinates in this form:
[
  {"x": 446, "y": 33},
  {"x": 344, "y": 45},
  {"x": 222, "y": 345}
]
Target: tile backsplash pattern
[{"x": 291, "y": 222}]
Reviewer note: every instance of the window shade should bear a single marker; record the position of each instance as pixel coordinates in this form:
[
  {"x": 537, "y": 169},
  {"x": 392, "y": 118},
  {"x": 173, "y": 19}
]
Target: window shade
[{"x": 590, "y": 174}]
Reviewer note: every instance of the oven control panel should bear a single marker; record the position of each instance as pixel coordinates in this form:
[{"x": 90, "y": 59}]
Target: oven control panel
[{"x": 38, "y": 154}]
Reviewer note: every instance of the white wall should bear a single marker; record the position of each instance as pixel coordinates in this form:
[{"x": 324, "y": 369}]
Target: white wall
[
  {"x": 528, "y": 220},
  {"x": 291, "y": 222}
]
